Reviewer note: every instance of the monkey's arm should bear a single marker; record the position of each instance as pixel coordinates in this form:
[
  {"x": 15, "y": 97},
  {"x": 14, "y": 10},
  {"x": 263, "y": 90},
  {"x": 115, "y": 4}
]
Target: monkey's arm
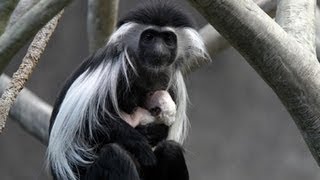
[
  {"x": 152, "y": 128},
  {"x": 123, "y": 154},
  {"x": 132, "y": 141},
  {"x": 154, "y": 133}
]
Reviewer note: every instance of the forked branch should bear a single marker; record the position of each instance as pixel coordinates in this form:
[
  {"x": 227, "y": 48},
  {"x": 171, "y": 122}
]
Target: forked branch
[{"x": 288, "y": 67}]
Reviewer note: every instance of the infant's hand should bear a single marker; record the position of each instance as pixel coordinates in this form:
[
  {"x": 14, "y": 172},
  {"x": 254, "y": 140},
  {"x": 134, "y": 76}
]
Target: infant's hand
[{"x": 140, "y": 116}]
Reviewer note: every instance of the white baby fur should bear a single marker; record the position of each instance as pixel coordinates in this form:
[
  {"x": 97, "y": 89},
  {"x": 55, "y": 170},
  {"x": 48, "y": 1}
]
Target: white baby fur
[
  {"x": 89, "y": 93},
  {"x": 164, "y": 101}
]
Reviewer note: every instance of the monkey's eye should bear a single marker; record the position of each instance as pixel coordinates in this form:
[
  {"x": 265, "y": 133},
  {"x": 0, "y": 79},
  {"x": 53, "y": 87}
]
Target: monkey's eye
[
  {"x": 170, "y": 38},
  {"x": 148, "y": 37}
]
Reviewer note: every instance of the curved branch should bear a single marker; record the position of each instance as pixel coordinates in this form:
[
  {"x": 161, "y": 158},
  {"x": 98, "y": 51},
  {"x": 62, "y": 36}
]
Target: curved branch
[
  {"x": 269, "y": 6},
  {"x": 6, "y": 8},
  {"x": 216, "y": 43},
  {"x": 318, "y": 32},
  {"x": 26, "y": 68},
  {"x": 101, "y": 21},
  {"x": 30, "y": 112},
  {"x": 297, "y": 18},
  {"x": 22, "y": 7},
  {"x": 26, "y": 27},
  {"x": 276, "y": 56}
]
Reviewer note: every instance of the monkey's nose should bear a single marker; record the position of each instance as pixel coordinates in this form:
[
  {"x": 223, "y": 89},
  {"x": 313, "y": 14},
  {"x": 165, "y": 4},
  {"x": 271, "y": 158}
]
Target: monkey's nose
[
  {"x": 160, "y": 48},
  {"x": 161, "y": 54}
]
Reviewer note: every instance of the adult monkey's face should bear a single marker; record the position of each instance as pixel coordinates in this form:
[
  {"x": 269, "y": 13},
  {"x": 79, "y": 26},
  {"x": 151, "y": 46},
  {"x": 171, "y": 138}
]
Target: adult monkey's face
[{"x": 157, "y": 48}]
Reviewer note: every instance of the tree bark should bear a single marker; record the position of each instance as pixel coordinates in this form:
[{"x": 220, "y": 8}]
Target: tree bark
[
  {"x": 101, "y": 22},
  {"x": 6, "y": 8},
  {"x": 31, "y": 112},
  {"x": 22, "y": 7},
  {"x": 290, "y": 69},
  {"x": 26, "y": 27},
  {"x": 318, "y": 32},
  {"x": 297, "y": 18},
  {"x": 216, "y": 43},
  {"x": 26, "y": 68}
]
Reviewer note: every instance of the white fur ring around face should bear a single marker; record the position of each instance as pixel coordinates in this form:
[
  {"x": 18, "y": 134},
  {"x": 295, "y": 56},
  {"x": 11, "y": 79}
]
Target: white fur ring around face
[{"x": 159, "y": 108}]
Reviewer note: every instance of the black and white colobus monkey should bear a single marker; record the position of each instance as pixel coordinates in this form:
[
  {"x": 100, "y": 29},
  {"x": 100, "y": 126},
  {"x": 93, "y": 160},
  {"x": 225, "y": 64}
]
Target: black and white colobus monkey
[{"x": 90, "y": 137}]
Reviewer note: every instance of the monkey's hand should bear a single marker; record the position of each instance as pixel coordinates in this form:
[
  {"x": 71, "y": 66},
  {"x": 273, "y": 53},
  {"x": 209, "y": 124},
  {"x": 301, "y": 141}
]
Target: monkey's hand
[
  {"x": 140, "y": 116},
  {"x": 133, "y": 142},
  {"x": 161, "y": 106}
]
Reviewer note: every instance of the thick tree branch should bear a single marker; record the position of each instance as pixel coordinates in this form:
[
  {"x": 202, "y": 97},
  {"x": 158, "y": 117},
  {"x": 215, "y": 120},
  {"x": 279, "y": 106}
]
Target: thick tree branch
[
  {"x": 297, "y": 18},
  {"x": 216, "y": 43},
  {"x": 269, "y": 6},
  {"x": 276, "y": 56},
  {"x": 26, "y": 27},
  {"x": 6, "y": 8},
  {"x": 22, "y": 7},
  {"x": 101, "y": 22},
  {"x": 318, "y": 32},
  {"x": 26, "y": 68}
]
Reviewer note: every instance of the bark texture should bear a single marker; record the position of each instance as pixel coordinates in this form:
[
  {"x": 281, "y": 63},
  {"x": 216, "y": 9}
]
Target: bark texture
[
  {"x": 22, "y": 7},
  {"x": 216, "y": 43},
  {"x": 6, "y": 8},
  {"x": 297, "y": 18},
  {"x": 101, "y": 22},
  {"x": 318, "y": 32},
  {"x": 26, "y": 27},
  {"x": 31, "y": 112},
  {"x": 288, "y": 67},
  {"x": 29, "y": 62}
]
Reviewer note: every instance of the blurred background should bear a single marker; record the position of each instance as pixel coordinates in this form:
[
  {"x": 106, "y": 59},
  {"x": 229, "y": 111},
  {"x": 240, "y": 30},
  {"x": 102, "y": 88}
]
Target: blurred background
[{"x": 239, "y": 128}]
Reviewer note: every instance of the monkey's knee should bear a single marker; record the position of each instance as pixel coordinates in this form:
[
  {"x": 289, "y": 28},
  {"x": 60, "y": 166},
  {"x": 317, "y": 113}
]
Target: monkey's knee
[
  {"x": 113, "y": 163},
  {"x": 171, "y": 162}
]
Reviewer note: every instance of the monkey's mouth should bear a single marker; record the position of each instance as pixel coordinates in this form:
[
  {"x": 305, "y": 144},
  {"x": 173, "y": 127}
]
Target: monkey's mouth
[{"x": 159, "y": 107}]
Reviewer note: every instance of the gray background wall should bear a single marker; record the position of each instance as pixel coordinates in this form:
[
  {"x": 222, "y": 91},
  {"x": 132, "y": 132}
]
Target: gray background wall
[{"x": 240, "y": 130}]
